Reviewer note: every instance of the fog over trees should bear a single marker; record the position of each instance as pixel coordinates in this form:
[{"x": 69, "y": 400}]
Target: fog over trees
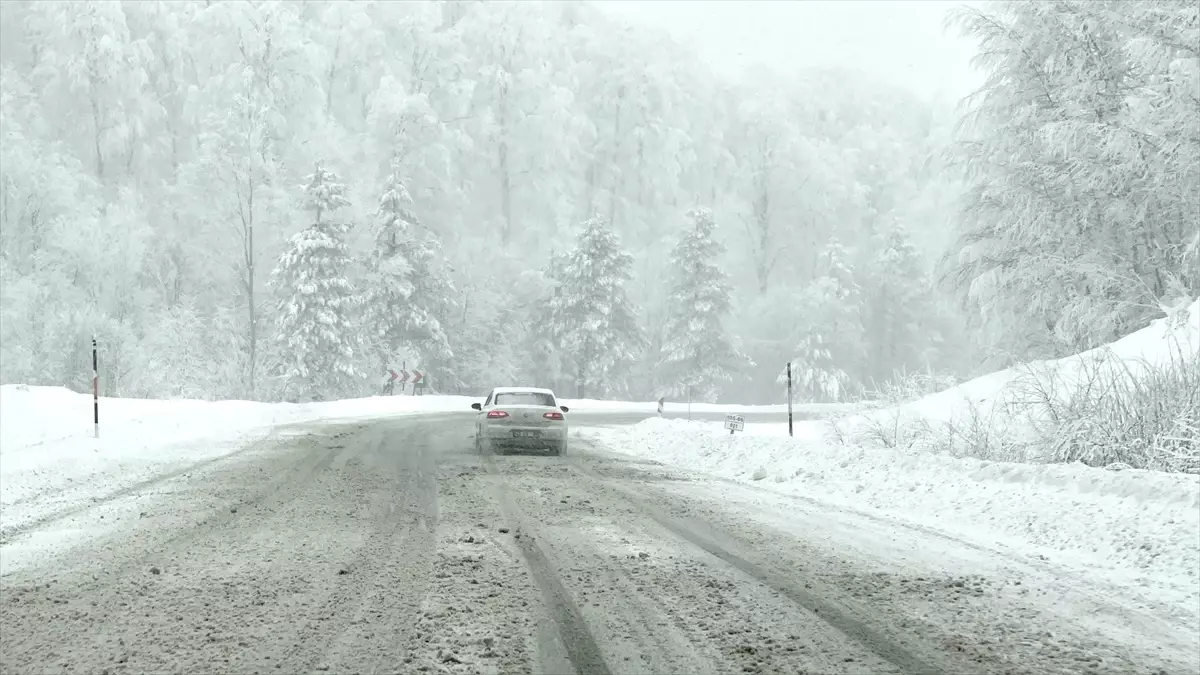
[{"x": 279, "y": 200}]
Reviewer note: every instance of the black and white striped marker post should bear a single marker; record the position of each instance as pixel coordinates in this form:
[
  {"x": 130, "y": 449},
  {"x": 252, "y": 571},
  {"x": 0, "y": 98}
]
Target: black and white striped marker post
[
  {"x": 789, "y": 376},
  {"x": 95, "y": 389}
]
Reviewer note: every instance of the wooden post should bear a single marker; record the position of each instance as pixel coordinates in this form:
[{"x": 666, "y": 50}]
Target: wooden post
[{"x": 95, "y": 389}]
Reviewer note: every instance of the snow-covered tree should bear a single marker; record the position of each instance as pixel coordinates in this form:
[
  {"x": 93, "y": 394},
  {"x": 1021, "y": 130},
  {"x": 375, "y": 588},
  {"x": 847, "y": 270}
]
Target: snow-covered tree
[
  {"x": 89, "y": 51},
  {"x": 698, "y": 353},
  {"x": 590, "y": 317},
  {"x": 828, "y": 359},
  {"x": 1083, "y": 180},
  {"x": 317, "y": 336},
  {"x": 389, "y": 275},
  {"x": 898, "y": 309},
  {"x": 432, "y": 301},
  {"x": 408, "y": 286},
  {"x": 161, "y": 203},
  {"x": 550, "y": 366}
]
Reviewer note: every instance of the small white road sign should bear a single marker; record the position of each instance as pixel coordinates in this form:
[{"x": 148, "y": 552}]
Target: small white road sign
[{"x": 735, "y": 423}]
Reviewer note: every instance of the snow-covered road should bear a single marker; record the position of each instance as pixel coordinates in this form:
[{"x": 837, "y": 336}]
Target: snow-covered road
[{"x": 387, "y": 545}]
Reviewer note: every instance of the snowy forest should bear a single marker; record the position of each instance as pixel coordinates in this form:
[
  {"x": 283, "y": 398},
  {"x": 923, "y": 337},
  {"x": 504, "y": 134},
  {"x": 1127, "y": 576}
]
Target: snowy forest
[{"x": 281, "y": 200}]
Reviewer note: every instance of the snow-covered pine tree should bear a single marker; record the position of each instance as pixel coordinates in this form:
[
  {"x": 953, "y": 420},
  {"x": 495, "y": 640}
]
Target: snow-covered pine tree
[
  {"x": 899, "y": 307},
  {"x": 698, "y": 352},
  {"x": 408, "y": 287},
  {"x": 828, "y": 359},
  {"x": 316, "y": 333},
  {"x": 389, "y": 274},
  {"x": 432, "y": 301},
  {"x": 591, "y": 320}
]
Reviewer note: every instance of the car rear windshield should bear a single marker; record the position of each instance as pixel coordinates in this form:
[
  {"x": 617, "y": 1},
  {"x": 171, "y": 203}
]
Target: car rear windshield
[{"x": 524, "y": 398}]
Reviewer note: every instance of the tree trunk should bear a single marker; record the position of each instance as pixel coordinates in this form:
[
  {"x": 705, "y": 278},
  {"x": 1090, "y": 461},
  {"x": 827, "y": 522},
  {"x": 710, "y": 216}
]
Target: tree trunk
[
  {"x": 331, "y": 76},
  {"x": 252, "y": 316},
  {"x": 590, "y": 179},
  {"x": 612, "y": 195},
  {"x": 581, "y": 377},
  {"x": 505, "y": 195},
  {"x": 96, "y": 138},
  {"x": 251, "y": 310},
  {"x": 505, "y": 176},
  {"x": 762, "y": 216}
]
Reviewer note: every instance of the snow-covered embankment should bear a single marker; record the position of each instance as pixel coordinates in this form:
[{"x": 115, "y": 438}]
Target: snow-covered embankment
[{"x": 1133, "y": 527}]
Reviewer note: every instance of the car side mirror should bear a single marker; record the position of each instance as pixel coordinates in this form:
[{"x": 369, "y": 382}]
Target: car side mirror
[
  {"x": 476, "y": 406},
  {"x": 564, "y": 408}
]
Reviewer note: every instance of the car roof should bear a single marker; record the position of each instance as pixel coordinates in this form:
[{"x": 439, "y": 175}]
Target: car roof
[{"x": 525, "y": 390}]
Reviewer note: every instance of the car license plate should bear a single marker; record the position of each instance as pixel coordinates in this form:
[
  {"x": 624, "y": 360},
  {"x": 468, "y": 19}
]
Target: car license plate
[{"x": 527, "y": 434}]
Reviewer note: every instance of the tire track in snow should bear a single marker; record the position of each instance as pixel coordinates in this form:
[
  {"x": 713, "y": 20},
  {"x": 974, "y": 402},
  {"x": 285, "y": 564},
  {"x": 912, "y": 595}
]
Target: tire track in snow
[
  {"x": 116, "y": 580},
  {"x": 295, "y": 475},
  {"x": 657, "y": 604},
  {"x": 10, "y": 532},
  {"x": 582, "y": 649},
  {"x": 848, "y": 618},
  {"x": 403, "y": 512},
  {"x": 1097, "y": 607}
]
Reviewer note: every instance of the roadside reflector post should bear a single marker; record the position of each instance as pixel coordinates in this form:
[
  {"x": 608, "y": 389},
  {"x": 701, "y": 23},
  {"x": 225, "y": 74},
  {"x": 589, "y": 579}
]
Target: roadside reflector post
[
  {"x": 95, "y": 389},
  {"x": 789, "y": 379}
]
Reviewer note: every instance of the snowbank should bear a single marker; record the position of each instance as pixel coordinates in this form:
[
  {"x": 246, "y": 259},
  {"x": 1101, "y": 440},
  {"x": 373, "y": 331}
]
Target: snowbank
[
  {"x": 1140, "y": 525},
  {"x": 808, "y": 410},
  {"x": 49, "y": 457},
  {"x": 35, "y": 416},
  {"x": 1001, "y": 402}
]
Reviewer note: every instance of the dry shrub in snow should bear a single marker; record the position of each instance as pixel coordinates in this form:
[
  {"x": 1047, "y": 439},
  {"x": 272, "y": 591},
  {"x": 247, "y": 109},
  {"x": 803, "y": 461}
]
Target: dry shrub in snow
[
  {"x": 976, "y": 430},
  {"x": 890, "y": 428},
  {"x": 1100, "y": 408},
  {"x": 909, "y": 385},
  {"x": 1104, "y": 412},
  {"x": 1108, "y": 411}
]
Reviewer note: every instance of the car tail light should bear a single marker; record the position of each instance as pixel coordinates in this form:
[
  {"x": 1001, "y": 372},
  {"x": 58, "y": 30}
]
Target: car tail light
[
  {"x": 494, "y": 414},
  {"x": 553, "y": 415}
]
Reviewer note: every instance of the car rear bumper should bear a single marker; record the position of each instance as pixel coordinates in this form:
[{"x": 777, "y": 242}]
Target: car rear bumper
[{"x": 543, "y": 437}]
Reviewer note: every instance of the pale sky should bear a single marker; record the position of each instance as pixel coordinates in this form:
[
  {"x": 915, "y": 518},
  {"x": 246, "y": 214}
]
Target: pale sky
[{"x": 903, "y": 41}]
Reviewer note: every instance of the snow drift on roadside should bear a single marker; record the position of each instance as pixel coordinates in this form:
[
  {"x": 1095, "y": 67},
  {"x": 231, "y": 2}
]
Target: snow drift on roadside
[
  {"x": 48, "y": 455},
  {"x": 673, "y": 407},
  {"x": 993, "y": 397},
  {"x": 1144, "y": 525},
  {"x": 1139, "y": 525}
]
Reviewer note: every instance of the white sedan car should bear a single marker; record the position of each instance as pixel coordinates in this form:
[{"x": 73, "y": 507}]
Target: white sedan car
[{"x": 520, "y": 417}]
